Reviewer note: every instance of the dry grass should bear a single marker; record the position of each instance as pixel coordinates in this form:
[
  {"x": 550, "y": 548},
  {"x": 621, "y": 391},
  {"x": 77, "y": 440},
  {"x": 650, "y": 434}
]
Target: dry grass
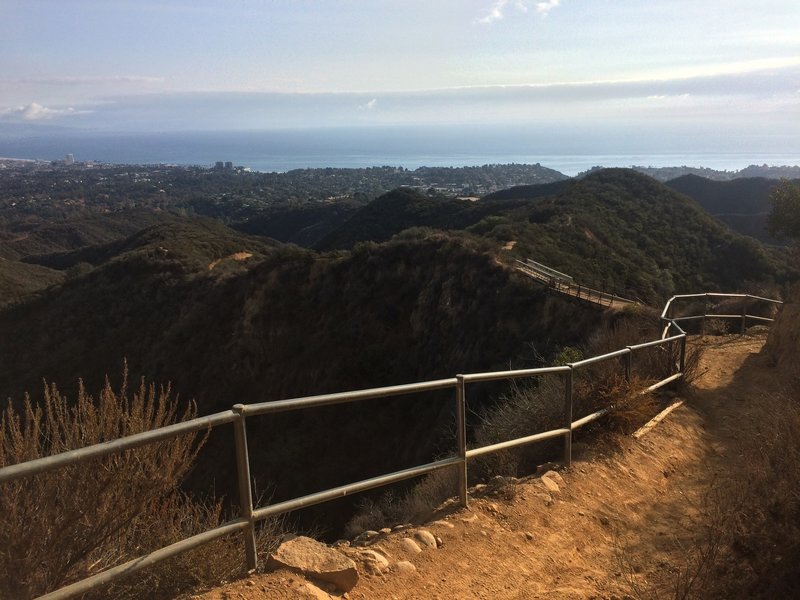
[
  {"x": 65, "y": 525},
  {"x": 527, "y": 408},
  {"x": 416, "y": 504},
  {"x": 764, "y": 501},
  {"x": 538, "y": 405}
]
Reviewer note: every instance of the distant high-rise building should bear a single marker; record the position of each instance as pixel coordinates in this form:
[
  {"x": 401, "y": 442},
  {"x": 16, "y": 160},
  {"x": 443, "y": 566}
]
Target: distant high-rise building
[
  {"x": 69, "y": 160},
  {"x": 229, "y": 166},
  {"x": 219, "y": 165}
]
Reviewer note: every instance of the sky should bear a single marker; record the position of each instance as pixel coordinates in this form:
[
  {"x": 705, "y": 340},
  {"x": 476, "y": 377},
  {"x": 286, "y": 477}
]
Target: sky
[{"x": 724, "y": 68}]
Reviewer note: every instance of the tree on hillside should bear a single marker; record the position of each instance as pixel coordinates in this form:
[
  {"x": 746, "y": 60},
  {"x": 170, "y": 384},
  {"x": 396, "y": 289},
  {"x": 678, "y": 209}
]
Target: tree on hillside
[{"x": 784, "y": 221}]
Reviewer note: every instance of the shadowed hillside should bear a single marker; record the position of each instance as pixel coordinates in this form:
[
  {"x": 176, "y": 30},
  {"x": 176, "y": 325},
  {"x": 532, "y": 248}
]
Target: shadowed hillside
[
  {"x": 232, "y": 318},
  {"x": 404, "y": 208},
  {"x": 25, "y": 237},
  {"x": 286, "y": 324},
  {"x": 742, "y": 204}
]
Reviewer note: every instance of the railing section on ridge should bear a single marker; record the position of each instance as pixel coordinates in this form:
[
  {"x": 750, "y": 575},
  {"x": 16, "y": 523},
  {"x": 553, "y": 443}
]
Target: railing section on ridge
[
  {"x": 565, "y": 284},
  {"x": 673, "y": 338}
]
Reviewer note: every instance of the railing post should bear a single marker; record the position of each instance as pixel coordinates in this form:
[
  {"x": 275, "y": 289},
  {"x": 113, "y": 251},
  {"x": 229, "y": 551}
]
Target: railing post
[
  {"x": 628, "y": 364},
  {"x": 461, "y": 417},
  {"x": 245, "y": 490},
  {"x": 568, "y": 416}
]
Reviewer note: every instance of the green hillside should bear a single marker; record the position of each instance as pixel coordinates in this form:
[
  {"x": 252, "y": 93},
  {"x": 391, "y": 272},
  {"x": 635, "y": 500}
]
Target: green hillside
[
  {"x": 403, "y": 208},
  {"x": 303, "y": 224},
  {"x": 742, "y": 204},
  {"x": 626, "y": 232},
  {"x": 422, "y": 306},
  {"x": 615, "y": 229},
  {"x": 420, "y": 289}
]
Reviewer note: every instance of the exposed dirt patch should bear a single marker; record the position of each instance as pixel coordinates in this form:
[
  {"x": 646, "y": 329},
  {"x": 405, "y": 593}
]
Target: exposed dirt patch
[
  {"x": 238, "y": 256},
  {"x": 624, "y": 515},
  {"x": 509, "y": 245}
]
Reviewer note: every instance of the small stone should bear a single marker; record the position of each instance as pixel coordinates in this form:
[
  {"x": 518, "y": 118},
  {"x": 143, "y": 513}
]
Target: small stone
[
  {"x": 479, "y": 488},
  {"x": 441, "y": 523},
  {"x": 410, "y": 546},
  {"x": 385, "y": 531},
  {"x": 381, "y": 550},
  {"x": 550, "y": 485},
  {"x": 555, "y": 476},
  {"x": 374, "y": 563},
  {"x": 546, "y": 498},
  {"x": 471, "y": 519},
  {"x": 528, "y": 536},
  {"x": 310, "y": 557},
  {"x": 404, "y": 567},
  {"x": 425, "y": 537},
  {"x": 604, "y": 520},
  {"x": 313, "y": 592},
  {"x": 439, "y": 542}
]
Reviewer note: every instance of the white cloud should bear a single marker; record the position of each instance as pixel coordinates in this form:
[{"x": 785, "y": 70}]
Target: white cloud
[
  {"x": 36, "y": 112},
  {"x": 495, "y": 12},
  {"x": 544, "y": 8},
  {"x": 369, "y": 105}
]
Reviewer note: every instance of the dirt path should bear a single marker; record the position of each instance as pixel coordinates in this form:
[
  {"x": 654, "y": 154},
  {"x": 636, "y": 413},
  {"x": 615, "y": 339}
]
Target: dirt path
[{"x": 625, "y": 518}]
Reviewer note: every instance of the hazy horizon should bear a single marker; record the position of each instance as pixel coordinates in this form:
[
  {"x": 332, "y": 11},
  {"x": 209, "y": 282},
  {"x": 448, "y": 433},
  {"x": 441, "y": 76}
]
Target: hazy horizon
[
  {"x": 596, "y": 77},
  {"x": 357, "y": 148}
]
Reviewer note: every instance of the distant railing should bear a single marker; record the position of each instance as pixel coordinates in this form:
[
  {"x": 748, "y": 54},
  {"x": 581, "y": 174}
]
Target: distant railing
[
  {"x": 747, "y": 300},
  {"x": 250, "y": 514},
  {"x": 565, "y": 284}
]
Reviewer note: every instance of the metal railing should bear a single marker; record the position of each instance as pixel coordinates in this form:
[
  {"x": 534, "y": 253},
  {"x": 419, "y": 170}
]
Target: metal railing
[
  {"x": 250, "y": 514},
  {"x": 565, "y": 284},
  {"x": 671, "y": 320}
]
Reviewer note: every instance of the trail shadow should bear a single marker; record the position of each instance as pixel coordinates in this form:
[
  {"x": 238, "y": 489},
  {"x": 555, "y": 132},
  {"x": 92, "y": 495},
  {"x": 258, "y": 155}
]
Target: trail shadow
[{"x": 681, "y": 542}]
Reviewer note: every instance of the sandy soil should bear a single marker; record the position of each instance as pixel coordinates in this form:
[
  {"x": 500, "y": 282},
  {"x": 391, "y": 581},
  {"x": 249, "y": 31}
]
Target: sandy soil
[
  {"x": 238, "y": 256},
  {"x": 625, "y": 516}
]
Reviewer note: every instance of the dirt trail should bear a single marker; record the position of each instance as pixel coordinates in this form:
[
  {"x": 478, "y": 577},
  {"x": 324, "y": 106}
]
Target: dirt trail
[{"x": 625, "y": 515}]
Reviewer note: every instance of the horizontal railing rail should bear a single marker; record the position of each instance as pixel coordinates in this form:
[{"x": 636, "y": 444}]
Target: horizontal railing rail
[
  {"x": 671, "y": 321},
  {"x": 250, "y": 514},
  {"x": 566, "y": 285},
  {"x": 549, "y": 271}
]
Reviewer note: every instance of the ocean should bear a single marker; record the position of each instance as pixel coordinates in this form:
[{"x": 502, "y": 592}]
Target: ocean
[{"x": 356, "y": 148}]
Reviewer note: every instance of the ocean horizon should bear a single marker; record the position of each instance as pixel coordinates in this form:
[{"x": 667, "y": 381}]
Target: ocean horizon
[{"x": 285, "y": 151}]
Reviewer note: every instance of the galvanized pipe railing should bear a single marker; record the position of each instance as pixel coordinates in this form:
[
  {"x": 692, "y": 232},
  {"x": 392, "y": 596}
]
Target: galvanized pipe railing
[
  {"x": 565, "y": 284},
  {"x": 743, "y": 316},
  {"x": 250, "y": 515}
]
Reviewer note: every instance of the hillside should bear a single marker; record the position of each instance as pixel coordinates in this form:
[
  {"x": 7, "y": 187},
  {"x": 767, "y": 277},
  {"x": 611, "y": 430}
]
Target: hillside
[
  {"x": 742, "y": 204},
  {"x": 305, "y": 224},
  {"x": 614, "y": 229},
  {"x": 28, "y": 234},
  {"x": 402, "y": 209},
  {"x": 665, "y": 174},
  {"x": 623, "y": 231},
  {"x": 228, "y": 317},
  {"x": 285, "y": 323}
]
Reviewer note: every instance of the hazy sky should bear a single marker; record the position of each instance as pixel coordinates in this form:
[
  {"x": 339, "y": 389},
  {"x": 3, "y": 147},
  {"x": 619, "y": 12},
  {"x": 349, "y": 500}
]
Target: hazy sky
[{"x": 721, "y": 65}]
